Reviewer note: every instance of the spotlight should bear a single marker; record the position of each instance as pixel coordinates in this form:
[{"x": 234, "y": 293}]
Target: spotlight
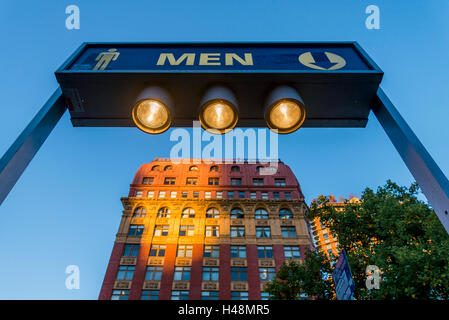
[
  {"x": 151, "y": 112},
  {"x": 284, "y": 111},
  {"x": 218, "y": 111}
]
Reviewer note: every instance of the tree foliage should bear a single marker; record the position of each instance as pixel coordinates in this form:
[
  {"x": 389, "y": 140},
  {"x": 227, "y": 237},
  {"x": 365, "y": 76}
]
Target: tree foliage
[
  {"x": 302, "y": 280},
  {"x": 395, "y": 231}
]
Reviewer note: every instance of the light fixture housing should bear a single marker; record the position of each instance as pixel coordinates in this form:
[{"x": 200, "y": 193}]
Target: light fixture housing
[
  {"x": 152, "y": 112},
  {"x": 218, "y": 110},
  {"x": 284, "y": 110}
]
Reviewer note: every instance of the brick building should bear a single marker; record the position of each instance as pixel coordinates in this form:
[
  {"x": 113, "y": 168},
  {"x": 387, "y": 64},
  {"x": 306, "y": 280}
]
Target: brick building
[{"x": 198, "y": 230}]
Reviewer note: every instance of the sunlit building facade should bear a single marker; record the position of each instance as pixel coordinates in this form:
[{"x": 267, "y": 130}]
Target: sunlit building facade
[
  {"x": 198, "y": 230},
  {"x": 323, "y": 239}
]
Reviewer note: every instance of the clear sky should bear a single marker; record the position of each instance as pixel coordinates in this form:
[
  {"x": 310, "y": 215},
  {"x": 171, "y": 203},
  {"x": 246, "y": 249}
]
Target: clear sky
[{"x": 65, "y": 209}]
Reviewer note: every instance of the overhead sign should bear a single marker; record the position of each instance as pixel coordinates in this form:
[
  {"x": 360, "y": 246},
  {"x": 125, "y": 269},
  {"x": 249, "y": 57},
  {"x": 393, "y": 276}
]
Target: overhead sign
[
  {"x": 219, "y": 58},
  {"x": 342, "y": 277}
]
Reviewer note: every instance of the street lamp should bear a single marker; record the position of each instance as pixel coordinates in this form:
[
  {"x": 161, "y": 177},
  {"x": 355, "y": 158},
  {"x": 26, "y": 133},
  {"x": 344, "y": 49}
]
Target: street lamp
[
  {"x": 284, "y": 111},
  {"x": 151, "y": 112},
  {"x": 218, "y": 112}
]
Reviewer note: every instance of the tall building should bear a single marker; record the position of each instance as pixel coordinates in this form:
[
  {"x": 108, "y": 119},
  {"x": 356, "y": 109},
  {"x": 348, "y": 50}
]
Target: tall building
[
  {"x": 205, "y": 231},
  {"x": 323, "y": 238}
]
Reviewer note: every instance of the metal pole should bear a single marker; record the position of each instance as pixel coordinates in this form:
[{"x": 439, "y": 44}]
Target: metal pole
[
  {"x": 16, "y": 159},
  {"x": 426, "y": 172}
]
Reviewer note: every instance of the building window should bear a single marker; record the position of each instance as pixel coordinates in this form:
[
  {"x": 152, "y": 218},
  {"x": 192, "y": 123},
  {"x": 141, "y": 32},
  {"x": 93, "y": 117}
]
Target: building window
[
  {"x": 238, "y": 252},
  {"x": 267, "y": 274},
  {"x": 288, "y": 232},
  {"x": 275, "y": 195},
  {"x": 173, "y": 194},
  {"x": 261, "y": 214},
  {"x": 163, "y": 212},
  {"x": 184, "y": 251},
  {"x": 213, "y": 181},
  {"x": 239, "y": 295},
  {"x": 292, "y": 252},
  {"x": 139, "y": 194},
  {"x": 139, "y": 212},
  {"x": 120, "y": 294},
  {"x": 211, "y": 252},
  {"x": 236, "y": 182},
  {"x": 150, "y": 194},
  {"x": 182, "y": 273},
  {"x": 188, "y": 213},
  {"x": 192, "y": 181},
  {"x": 239, "y": 274},
  {"x": 237, "y": 213},
  {"x": 135, "y": 230},
  {"x": 207, "y": 194},
  {"x": 168, "y": 168},
  {"x": 148, "y": 180},
  {"x": 153, "y": 273},
  {"x": 209, "y": 295},
  {"x": 161, "y": 194},
  {"x": 219, "y": 195},
  {"x": 196, "y": 194},
  {"x": 264, "y": 252},
  {"x": 212, "y": 213},
  {"x": 263, "y": 232},
  {"x": 210, "y": 273},
  {"x": 184, "y": 194},
  {"x": 265, "y": 195},
  {"x": 258, "y": 182},
  {"x": 157, "y": 250},
  {"x": 193, "y": 168},
  {"x": 212, "y": 231},
  {"x": 186, "y": 231},
  {"x": 264, "y": 296},
  {"x": 169, "y": 181},
  {"x": 279, "y": 182},
  {"x": 161, "y": 231},
  {"x": 242, "y": 194},
  {"x": 131, "y": 250},
  {"x": 285, "y": 214},
  {"x": 149, "y": 295},
  {"x": 253, "y": 195},
  {"x": 125, "y": 272},
  {"x": 235, "y": 169},
  {"x": 179, "y": 295},
  {"x": 156, "y": 168},
  {"x": 237, "y": 232},
  {"x": 230, "y": 194},
  {"x": 287, "y": 195},
  {"x": 214, "y": 169}
]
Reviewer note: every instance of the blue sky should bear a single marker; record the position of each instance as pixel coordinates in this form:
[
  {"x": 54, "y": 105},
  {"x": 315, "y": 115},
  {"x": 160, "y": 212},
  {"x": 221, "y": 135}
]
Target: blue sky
[{"x": 66, "y": 207}]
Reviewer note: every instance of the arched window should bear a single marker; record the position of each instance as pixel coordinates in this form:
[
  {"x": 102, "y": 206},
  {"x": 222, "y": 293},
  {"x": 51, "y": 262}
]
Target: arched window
[
  {"x": 193, "y": 168},
  {"x": 214, "y": 169},
  {"x": 188, "y": 213},
  {"x": 212, "y": 213},
  {"x": 261, "y": 214},
  {"x": 156, "y": 168},
  {"x": 168, "y": 168},
  {"x": 163, "y": 212},
  {"x": 285, "y": 214},
  {"x": 237, "y": 213},
  {"x": 139, "y": 212},
  {"x": 235, "y": 169}
]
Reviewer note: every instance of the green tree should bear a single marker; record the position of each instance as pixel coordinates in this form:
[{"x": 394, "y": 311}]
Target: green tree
[
  {"x": 302, "y": 280},
  {"x": 395, "y": 231}
]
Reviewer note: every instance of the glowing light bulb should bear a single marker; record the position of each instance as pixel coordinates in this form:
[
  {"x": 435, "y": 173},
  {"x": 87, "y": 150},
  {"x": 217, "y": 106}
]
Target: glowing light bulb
[
  {"x": 218, "y": 116},
  {"x": 286, "y": 116},
  {"x": 151, "y": 116}
]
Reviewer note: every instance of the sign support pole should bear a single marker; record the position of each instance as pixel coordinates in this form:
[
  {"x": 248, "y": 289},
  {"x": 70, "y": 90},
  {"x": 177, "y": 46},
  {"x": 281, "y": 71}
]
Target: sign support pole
[
  {"x": 19, "y": 155},
  {"x": 424, "y": 169}
]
